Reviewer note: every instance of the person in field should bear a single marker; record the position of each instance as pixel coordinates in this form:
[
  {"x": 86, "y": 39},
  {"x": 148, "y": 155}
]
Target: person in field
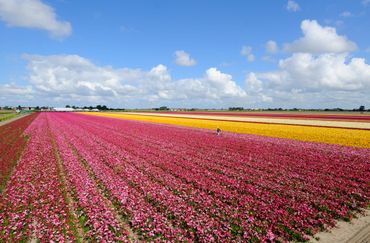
[{"x": 218, "y": 131}]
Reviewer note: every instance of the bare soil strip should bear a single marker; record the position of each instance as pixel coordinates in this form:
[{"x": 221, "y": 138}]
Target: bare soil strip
[
  {"x": 320, "y": 123},
  {"x": 356, "y": 231}
]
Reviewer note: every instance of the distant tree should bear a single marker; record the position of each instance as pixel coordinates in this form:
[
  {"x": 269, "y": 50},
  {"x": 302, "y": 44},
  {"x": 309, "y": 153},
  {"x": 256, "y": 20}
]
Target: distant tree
[
  {"x": 236, "y": 108},
  {"x": 337, "y": 109},
  {"x": 163, "y": 108},
  {"x": 37, "y": 108},
  {"x": 19, "y": 107},
  {"x": 68, "y": 106},
  {"x": 102, "y": 107},
  {"x": 362, "y": 108}
]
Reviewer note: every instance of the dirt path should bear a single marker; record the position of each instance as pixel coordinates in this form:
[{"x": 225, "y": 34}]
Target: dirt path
[{"x": 356, "y": 231}]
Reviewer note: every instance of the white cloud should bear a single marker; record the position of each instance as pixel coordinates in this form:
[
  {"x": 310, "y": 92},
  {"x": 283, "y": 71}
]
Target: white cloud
[
  {"x": 313, "y": 76},
  {"x": 318, "y": 39},
  {"x": 365, "y": 2},
  {"x": 223, "y": 84},
  {"x": 292, "y": 6},
  {"x": 160, "y": 73},
  {"x": 184, "y": 59},
  {"x": 253, "y": 83},
  {"x": 306, "y": 80},
  {"x": 255, "y": 89},
  {"x": 308, "y": 73},
  {"x": 271, "y": 47},
  {"x": 15, "y": 90},
  {"x": 265, "y": 98},
  {"x": 247, "y": 52},
  {"x": 301, "y": 80},
  {"x": 320, "y": 73},
  {"x": 346, "y": 14},
  {"x": 13, "y": 94},
  {"x": 62, "y": 79},
  {"x": 33, "y": 14}
]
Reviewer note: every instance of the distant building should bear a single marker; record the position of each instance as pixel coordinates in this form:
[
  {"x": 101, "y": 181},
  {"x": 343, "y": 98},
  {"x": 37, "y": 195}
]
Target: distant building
[
  {"x": 46, "y": 109},
  {"x": 63, "y": 109}
]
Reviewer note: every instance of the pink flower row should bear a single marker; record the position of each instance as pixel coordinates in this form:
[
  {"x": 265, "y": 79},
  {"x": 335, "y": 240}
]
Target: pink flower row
[{"x": 32, "y": 205}]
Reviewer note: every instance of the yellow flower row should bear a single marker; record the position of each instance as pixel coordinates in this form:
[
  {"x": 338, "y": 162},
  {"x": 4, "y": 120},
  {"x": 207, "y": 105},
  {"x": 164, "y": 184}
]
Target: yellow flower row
[{"x": 347, "y": 137}]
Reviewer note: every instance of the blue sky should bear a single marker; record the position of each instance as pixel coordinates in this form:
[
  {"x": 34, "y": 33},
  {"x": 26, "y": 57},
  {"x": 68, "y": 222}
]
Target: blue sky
[{"x": 211, "y": 54}]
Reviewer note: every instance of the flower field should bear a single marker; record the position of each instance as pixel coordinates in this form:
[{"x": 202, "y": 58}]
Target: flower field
[
  {"x": 92, "y": 178},
  {"x": 363, "y": 125},
  {"x": 340, "y": 136},
  {"x": 329, "y": 116},
  {"x": 12, "y": 143}
]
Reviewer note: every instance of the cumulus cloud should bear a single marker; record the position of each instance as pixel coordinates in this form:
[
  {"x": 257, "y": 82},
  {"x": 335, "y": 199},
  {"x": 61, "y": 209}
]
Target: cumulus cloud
[
  {"x": 183, "y": 59},
  {"x": 247, "y": 52},
  {"x": 33, "y": 14},
  {"x": 223, "y": 84},
  {"x": 327, "y": 71},
  {"x": 271, "y": 47},
  {"x": 62, "y": 78},
  {"x": 320, "y": 71},
  {"x": 292, "y": 6},
  {"x": 304, "y": 74},
  {"x": 253, "y": 84},
  {"x": 318, "y": 39}
]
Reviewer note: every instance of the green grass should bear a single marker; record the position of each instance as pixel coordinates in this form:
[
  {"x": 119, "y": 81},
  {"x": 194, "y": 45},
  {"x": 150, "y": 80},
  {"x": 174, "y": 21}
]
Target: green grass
[{"x": 6, "y": 116}]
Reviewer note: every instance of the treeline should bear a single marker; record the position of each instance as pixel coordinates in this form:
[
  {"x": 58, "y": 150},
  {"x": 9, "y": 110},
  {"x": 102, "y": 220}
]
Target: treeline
[
  {"x": 360, "y": 109},
  {"x": 99, "y": 107}
]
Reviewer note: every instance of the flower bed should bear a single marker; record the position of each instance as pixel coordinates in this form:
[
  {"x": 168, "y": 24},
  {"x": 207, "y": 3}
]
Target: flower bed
[{"x": 139, "y": 181}]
